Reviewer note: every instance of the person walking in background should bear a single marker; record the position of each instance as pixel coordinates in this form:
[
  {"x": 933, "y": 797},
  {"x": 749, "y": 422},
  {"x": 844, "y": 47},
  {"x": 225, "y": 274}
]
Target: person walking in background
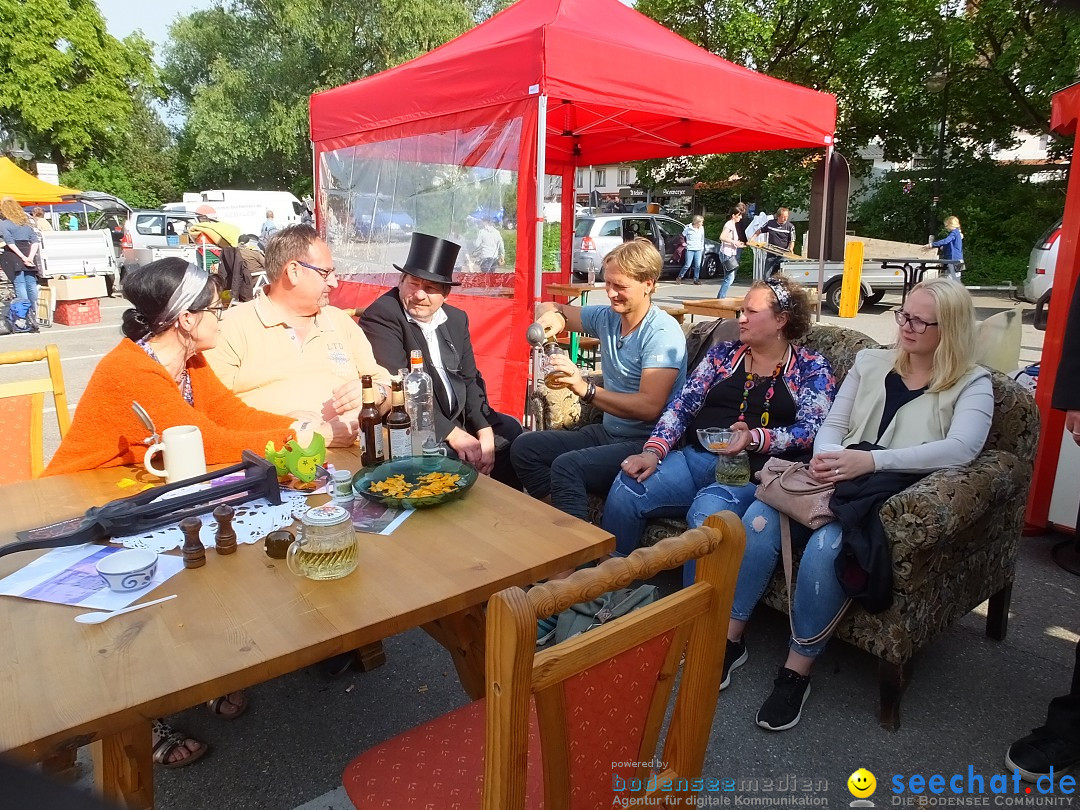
[
  {"x": 730, "y": 245},
  {"x": 740, "y": 227},
  {"x": 951, "y": 248},
  {"x": 489, "y": 251},
  {"x": 41, "y": 222},
  {"x": 269, "y": 227},
  {"x": 1055, "y": 746},
  {"x": 779, "y": 234},
  {"x": 19, "y": 253},
  {"x": 694, "y": 233}
]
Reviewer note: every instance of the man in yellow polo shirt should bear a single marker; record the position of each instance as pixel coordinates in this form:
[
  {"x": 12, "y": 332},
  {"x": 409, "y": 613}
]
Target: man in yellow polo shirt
[{"x": 288, "y": 351}]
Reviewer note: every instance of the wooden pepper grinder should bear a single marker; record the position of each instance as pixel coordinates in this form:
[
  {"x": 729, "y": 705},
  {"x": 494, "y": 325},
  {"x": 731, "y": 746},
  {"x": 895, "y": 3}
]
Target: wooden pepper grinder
[
  {"x": 225, "y": 539},
  {"x": 193, "y": 551}
]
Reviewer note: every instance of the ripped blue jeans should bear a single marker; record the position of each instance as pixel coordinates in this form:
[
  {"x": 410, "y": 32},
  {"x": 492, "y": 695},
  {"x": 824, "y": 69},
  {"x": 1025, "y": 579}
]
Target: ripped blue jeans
[
  {"x": 684, "y": 486},
  {"x": 818, "y": 595}
]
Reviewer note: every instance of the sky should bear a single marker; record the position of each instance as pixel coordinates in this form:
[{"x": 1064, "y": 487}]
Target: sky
[{"x": 154, "y": 18}]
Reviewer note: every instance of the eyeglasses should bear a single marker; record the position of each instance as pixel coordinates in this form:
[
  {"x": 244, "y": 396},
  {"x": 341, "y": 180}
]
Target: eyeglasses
[
  {"x": 217, "y": 311},
  {"x": 324, "y": 272},
  {"x": 918, "y": 325}
]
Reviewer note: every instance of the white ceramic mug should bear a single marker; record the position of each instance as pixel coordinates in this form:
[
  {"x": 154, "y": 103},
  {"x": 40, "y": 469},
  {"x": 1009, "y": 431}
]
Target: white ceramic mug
[{"x": 182, "y": 449}]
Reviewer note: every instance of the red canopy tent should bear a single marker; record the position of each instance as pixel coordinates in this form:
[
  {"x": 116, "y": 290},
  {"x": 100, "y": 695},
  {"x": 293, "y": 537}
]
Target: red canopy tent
[{"x": 590, "y": 82}]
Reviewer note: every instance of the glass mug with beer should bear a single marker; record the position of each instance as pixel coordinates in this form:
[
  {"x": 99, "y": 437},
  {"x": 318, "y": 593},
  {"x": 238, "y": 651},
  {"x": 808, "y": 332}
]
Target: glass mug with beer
[
  {"x": 326, "y": 547},
  {"x": 553, "y": 377}
]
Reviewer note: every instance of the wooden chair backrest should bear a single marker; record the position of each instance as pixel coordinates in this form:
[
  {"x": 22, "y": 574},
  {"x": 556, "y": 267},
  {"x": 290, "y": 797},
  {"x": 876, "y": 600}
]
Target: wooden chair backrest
[
  {"x": 601, "y": 697},
  {"x": 22, "y": 404}
]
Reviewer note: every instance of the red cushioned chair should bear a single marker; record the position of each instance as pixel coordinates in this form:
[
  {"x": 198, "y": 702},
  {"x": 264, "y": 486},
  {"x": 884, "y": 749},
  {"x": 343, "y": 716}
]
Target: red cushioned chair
[
  {"x": 567, "y": 727},
  {"x": 22, "y": 411}
]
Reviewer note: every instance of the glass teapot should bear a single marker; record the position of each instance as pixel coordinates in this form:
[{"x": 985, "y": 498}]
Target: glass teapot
[
  {"x": 326, "y": 547},
  {"x": 733, "y": 471}
]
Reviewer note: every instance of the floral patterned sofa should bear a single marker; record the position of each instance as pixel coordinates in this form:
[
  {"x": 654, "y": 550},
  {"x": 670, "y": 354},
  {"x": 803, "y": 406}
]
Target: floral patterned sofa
[{"x": 954, "y": 534}]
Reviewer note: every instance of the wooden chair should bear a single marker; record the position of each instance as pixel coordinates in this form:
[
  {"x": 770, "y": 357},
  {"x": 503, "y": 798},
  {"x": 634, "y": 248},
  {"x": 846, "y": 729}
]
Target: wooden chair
[
  {"x": 565, "y": 728},
  {"x": 22, "y": 411}
]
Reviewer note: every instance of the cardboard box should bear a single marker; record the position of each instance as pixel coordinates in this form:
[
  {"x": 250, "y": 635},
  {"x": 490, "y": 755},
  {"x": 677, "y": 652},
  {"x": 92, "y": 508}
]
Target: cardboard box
[
  {"x": 77, "y": 313},
  {"x": 77, "y": 289}
]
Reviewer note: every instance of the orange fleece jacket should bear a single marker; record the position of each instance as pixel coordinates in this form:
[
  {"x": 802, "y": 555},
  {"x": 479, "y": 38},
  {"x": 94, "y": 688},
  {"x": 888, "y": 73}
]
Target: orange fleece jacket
[{"x": 106, "y": 432}]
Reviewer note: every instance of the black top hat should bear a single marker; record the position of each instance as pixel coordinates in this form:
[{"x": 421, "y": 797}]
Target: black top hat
[{"x": 431, "y": 259}]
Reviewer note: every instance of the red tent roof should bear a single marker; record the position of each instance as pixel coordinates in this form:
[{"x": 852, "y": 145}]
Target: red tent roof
[{"x": 620, "y": 87}]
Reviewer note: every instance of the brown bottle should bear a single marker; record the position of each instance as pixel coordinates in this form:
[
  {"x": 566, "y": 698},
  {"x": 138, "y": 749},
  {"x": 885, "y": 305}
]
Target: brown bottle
[
  {"x": 371, "y": 425},
  {"x": 397, "y": 424}
]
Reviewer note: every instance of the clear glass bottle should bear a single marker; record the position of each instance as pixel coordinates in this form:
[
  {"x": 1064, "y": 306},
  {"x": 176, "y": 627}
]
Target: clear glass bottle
[{"x": 420, "y": 403}]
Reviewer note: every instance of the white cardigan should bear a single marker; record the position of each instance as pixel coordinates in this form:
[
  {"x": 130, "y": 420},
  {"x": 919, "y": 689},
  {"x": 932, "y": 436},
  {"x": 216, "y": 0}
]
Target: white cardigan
[{"x": 936, "y": 430}]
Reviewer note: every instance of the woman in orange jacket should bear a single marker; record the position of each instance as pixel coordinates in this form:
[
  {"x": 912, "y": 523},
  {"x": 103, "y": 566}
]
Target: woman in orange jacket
[{"x": 159, "y": 364}]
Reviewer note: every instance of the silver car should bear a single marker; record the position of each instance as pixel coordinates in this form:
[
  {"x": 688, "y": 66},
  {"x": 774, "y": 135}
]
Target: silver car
[{"x": 595, "y": 235}]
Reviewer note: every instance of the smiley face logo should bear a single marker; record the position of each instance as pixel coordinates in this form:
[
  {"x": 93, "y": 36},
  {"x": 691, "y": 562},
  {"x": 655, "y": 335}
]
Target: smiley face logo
[{"x": 862, "y": 783}]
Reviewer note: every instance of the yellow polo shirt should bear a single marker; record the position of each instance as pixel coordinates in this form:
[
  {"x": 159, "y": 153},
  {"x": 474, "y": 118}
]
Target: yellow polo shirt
[{"x": 263, "y": 361}]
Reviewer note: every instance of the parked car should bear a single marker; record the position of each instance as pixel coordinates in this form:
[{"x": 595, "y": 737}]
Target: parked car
[
  {"x": 152, "y": 234},
  {"x": 1041, "y": 264},
  {"x": 397, "y": 226},
  {"x": 595, "y": 236}
]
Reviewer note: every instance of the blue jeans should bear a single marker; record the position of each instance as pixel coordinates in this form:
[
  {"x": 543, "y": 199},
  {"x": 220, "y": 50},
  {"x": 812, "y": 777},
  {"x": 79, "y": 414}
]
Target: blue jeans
[
  {"x": 26, "y": 286},
  {"x": 725, "y": 285},
  {"x": 684, "y": 486},
  {"x": 569, "y": 464},
  {"x": 818, "y": 595},
  {"x": 692, "y": 257}
]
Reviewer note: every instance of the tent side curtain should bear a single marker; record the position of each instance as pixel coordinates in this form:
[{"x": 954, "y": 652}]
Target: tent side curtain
[{"x": 464, "y": 184}]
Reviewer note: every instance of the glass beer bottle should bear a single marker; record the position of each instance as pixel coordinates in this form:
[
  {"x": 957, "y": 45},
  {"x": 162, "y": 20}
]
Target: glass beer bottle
[
  {"x": 370, "y": 425},
  {"x": 397, "y": 424}
]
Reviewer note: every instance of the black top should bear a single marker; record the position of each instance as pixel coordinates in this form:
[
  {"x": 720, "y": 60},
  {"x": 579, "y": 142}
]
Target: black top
[
  {"x": 740, "y": 227},
  {"x": 721, "y": 408},
  {"x": 897, "y": 395}
]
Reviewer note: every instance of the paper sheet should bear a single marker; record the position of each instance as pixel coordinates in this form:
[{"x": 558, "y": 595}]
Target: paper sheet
[{"x": 66, "y": 576}]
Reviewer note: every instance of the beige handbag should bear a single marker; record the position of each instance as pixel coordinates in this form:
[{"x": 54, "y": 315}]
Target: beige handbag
[{"x": 788, "y": 487}]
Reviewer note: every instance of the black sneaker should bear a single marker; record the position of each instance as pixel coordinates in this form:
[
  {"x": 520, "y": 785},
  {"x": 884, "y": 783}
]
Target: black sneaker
[
  {"x": 1040, "y": 752},
  {"x": 734, "y": 657},
  {"x": 783, "y": 708}
]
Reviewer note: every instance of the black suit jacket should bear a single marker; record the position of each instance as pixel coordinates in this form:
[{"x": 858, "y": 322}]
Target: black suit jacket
[
  {"x": 393, "y": 336},
  {"x": 1067, "y": 386}
]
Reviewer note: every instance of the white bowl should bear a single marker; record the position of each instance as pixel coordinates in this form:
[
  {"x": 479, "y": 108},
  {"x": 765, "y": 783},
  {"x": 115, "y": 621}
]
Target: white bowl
[{"x": 128, "y": 570}]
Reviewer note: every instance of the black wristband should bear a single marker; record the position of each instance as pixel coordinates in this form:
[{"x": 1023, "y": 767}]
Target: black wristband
[{"x": 590, "y": 393}]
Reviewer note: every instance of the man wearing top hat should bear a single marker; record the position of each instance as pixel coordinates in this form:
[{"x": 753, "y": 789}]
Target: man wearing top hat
[{"x": 414, "y": 315}]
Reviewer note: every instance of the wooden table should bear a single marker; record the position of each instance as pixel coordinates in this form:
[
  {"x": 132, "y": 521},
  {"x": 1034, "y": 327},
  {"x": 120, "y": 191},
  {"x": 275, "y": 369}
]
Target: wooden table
[
  {"x": 243, "y": 619},
  {"x": 713, "y": 307}
]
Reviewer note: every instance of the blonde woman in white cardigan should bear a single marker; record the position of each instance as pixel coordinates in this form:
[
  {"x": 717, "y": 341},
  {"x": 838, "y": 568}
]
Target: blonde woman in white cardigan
[{"x": 929, "y": 407}]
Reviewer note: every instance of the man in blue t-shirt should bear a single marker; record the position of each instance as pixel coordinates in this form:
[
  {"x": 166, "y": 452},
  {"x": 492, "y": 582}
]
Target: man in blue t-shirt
[{"x": 643, "y": 359}]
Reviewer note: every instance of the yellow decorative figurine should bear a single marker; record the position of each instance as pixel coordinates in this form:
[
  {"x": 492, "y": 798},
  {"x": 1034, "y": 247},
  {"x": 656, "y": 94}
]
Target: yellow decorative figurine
[{"x": 299, "y": 462}]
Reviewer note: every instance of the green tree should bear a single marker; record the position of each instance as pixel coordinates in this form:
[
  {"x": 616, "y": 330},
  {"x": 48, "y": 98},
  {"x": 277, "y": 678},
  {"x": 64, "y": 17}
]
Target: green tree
[
  {"x": 242, "y": 76},
  {"x": 67, "y": 85},
  {"x": 142, "y": 171}
]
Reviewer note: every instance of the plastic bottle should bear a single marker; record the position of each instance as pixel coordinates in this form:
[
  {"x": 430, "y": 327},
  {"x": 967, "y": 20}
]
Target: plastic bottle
[{"x": 420, "y": 404}]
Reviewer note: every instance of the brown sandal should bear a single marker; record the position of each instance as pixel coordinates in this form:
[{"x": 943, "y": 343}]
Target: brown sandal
[
  {"x": 168, "y": 741},
  {"x": 216, "y": 704}
]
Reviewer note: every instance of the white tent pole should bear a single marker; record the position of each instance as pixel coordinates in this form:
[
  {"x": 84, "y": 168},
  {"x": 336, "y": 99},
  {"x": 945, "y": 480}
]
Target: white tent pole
[
  {"x": 824, "y": 222},
  {"x": 541, "y": 171}
]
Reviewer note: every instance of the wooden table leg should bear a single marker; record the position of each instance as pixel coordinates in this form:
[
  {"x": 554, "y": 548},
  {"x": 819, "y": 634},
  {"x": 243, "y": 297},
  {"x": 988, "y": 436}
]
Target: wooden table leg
[
  {"x": 462, "y": 633},
  {"x": 123, "y": 767},
  {"x": 370, "y": 656}
]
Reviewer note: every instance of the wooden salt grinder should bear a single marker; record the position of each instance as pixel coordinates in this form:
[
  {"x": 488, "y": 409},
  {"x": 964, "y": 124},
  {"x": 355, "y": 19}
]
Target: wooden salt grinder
[
  {"x": 193, "y": 551},
  {"x": 225, "y": 539}
]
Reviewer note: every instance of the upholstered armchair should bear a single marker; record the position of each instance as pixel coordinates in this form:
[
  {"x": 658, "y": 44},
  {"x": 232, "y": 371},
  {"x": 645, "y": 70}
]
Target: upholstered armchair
[{"x": 954, "y": 534}]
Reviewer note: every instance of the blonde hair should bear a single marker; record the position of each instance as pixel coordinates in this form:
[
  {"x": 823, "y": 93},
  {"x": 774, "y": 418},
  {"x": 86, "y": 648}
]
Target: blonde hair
[
  {"x": 13, "y": 211},
  {"x": 698, "y": 218},
  {"x": 952, "y": 222},
  {"x": 638, "y": 258},
  {"x": 955, "y": 352}
]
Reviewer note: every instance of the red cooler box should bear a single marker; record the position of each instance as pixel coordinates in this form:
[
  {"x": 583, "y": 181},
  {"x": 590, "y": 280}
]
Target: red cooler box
[{"x": 77, "y": 313}]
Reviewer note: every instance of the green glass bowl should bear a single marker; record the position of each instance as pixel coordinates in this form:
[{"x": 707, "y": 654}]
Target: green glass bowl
[{"x": 412, "y": 468}]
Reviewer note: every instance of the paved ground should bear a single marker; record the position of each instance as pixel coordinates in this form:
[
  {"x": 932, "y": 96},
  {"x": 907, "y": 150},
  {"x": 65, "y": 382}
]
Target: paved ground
[{"x": 969, "y": 699}]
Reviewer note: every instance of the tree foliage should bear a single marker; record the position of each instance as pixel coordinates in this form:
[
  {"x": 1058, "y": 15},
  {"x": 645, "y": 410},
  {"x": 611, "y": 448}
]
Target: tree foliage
[
  {"x": 242, "y": 76},
  {"x": 993, "y": 63},
  {"x": 67, "y": 85}
]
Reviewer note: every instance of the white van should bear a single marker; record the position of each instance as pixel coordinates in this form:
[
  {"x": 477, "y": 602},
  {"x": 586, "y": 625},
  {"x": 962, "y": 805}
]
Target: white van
[{"x": 244, "y": 208}]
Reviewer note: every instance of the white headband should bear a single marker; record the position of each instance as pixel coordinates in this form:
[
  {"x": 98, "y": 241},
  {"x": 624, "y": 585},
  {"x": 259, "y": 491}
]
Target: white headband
[{"x": 191, "y": 287}]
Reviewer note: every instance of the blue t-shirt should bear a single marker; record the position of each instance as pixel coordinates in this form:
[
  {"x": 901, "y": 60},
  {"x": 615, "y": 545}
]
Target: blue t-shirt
[
  {"x": 952, "y": 246},
  {"x": 658, "y": 342}
]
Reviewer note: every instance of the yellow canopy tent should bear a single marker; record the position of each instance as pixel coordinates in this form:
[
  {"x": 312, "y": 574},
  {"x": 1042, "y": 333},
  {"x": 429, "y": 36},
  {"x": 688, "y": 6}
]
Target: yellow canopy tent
[{"x": 27, "y": 189}]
